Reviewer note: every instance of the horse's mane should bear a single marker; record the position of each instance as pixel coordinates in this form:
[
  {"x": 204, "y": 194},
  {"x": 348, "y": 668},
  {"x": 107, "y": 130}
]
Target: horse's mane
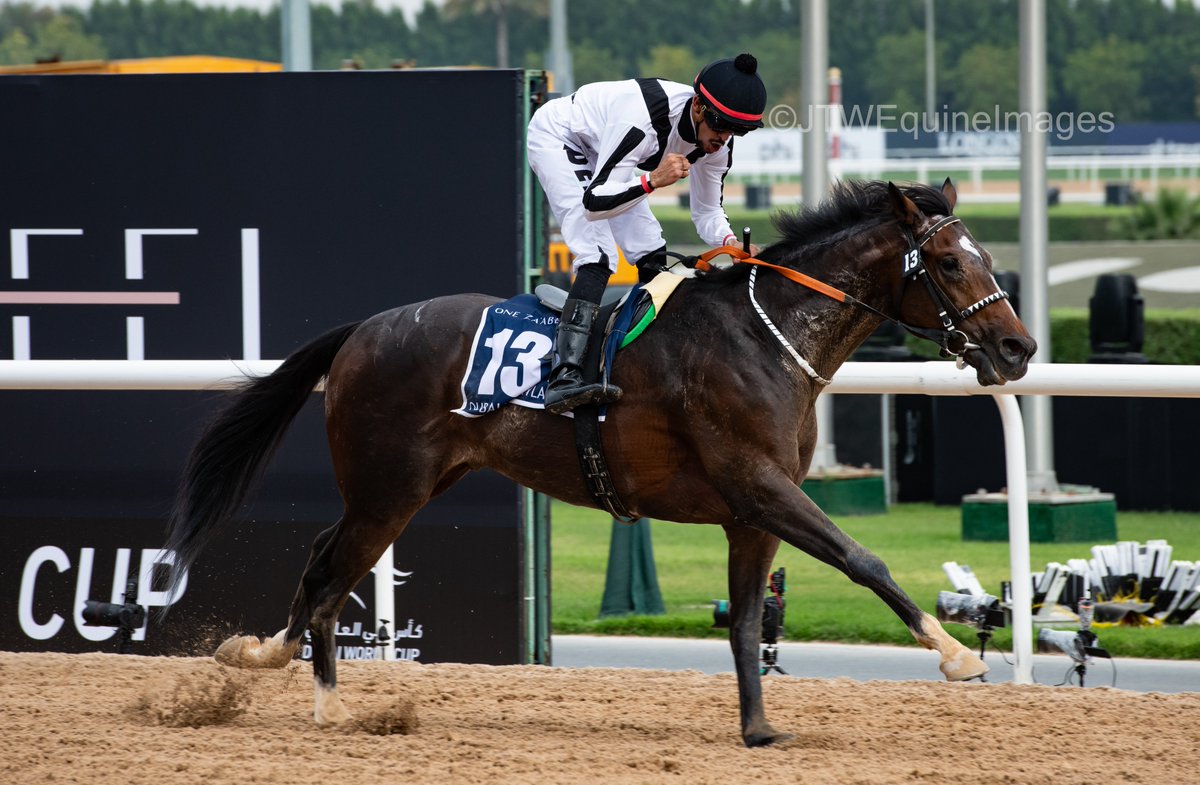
[{"x": 851, "y": 207}]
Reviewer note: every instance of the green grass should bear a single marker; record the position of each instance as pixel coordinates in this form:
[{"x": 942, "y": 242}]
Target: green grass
[{"x": 823, "y": 605}]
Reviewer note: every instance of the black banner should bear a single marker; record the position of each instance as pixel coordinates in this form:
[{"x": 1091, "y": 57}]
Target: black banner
[
  {"x": 456, "y": 579},
  {"x": 239, "y": 215}
]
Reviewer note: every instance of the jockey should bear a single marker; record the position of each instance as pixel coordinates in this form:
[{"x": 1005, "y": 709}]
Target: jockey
[{"x": 600, "y": 152}]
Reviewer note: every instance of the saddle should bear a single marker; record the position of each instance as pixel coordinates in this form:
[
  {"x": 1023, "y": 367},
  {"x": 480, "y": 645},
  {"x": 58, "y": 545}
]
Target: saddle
[{"x": 649, "y": 300}]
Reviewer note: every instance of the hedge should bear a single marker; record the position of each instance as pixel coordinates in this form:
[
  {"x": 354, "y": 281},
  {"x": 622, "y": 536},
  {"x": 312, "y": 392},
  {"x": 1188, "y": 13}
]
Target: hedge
[{"x": 1172, "y": 337}]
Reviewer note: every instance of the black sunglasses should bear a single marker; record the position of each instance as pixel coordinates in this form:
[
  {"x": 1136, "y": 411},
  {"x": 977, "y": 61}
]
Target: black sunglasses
[{"x": 721, "y": 125}]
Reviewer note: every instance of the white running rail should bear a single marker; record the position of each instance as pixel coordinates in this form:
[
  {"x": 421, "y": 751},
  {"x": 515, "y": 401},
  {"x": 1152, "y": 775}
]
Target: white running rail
[{"x": 928, "y": 378}]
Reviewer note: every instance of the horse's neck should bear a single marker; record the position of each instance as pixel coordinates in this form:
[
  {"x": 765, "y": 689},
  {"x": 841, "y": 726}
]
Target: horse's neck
[{"x": 827, "y": 331}]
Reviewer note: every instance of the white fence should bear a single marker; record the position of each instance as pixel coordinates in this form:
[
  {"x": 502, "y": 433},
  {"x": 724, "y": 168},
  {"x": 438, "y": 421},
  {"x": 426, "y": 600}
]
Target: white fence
[
  {"x": 1091, "y": 169},
  {"x": 929, "y": 378}
]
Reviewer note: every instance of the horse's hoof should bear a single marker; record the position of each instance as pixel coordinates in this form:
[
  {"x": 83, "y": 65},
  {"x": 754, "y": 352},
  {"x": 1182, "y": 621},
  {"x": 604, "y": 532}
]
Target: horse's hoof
[
  {"x": 766, "y": 737},
  {"x": 247, "y": 651},
  {"x": 328, "y": 709},
  {"x": 963, "y": 666},
  {"x": 958, "y": 662}
]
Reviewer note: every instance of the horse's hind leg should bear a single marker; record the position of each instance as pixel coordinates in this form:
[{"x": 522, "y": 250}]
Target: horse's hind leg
[
  {"x": 750, "y": 555},
  {"x": 348, "y": 554},
  {"x": 341, "y": 556},
  {"x": 247, "y": 651}
]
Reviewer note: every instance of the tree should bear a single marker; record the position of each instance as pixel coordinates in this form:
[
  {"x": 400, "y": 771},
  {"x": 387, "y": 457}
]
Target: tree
[
  {"x": 16, "y": 48},
  {"x": 675, "y": 63},
  {"x": 46, "y": 35},
  {"x": 1196, "y": 94},
  {"x": 455, "y": 9},
  {"x": 897, "y": 76},
  {"x": 985, "y": 78},
  {"x": 1107, "y": 77},
  {"x": 63, "y": 37},
  {"x": 594, "y": 64},
  {"x": 779, "y": 66},
  {"x": 1169, "y": 80}
]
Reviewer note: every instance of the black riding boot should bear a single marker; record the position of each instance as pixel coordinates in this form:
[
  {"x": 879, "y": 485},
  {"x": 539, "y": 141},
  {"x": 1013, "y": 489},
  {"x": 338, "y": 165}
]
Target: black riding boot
[{"x": 567, "y": 388}]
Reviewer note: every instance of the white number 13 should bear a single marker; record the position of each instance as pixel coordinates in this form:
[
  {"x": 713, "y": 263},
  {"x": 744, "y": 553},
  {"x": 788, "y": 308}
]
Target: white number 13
[{"x": 532, "y": 347}]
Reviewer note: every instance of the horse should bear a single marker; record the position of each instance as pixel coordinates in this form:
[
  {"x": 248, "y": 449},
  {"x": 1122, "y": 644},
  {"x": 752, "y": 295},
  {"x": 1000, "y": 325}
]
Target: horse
[{"x": 716, "y": 425}]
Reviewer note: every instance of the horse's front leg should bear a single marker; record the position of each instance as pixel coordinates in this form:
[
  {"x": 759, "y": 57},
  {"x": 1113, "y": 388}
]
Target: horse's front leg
[
  {"x": 750, "y": 555},
  {"x": 787, "y": 512}
]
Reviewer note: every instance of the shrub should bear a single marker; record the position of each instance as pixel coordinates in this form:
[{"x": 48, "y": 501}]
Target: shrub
[{"x": 1172, "y": 216}]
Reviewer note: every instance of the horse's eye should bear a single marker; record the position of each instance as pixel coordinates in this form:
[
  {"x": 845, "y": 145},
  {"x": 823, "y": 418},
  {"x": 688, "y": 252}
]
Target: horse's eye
[{"x": 949, "y": 264}]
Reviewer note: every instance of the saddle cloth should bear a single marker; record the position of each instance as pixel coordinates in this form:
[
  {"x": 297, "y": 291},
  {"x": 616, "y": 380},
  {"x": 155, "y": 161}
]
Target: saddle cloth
[{"x": 512, "y": 354}]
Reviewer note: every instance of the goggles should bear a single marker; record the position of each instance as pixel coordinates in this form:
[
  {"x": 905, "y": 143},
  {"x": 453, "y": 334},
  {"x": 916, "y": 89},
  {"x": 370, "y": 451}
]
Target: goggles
[{"x": 721, "y": 125}]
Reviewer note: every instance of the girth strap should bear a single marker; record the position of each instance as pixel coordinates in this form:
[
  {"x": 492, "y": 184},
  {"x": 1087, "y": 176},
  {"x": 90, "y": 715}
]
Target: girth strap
[
  {"x": 587, "y": 429},
  {"x": 595, "y": 468}
]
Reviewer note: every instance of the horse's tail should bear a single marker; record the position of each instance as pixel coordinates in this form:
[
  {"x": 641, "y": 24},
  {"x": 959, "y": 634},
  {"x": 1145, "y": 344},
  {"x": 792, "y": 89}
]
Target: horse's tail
[{"x": 236, "y": 446}]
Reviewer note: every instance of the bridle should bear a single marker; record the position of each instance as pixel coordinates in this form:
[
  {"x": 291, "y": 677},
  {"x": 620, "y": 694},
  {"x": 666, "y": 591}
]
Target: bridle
[{"x": 952, "y": 340}]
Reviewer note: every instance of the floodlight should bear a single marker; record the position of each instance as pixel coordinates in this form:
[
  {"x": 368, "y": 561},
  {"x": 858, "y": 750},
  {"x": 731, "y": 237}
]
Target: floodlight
[{"x": 1116, "y": 320}]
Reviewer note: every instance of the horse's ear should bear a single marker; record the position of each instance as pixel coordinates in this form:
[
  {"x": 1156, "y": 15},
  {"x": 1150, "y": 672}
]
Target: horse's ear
[
  {"x": 950, "y": 192},
  {"x": 906, "y": 209}
]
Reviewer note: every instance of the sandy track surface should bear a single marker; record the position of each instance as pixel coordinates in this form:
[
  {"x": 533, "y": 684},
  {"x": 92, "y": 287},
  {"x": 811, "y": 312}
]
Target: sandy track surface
[{"x": 100, "y": 718}]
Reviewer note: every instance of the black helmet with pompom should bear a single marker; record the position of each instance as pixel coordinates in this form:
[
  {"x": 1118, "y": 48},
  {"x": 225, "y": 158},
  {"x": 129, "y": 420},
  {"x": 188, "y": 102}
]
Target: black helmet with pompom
[{"x": 733, "y": 94}]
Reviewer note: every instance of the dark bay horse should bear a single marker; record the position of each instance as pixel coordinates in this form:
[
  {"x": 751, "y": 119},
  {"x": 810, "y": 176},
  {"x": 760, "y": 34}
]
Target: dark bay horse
[{"x": 716, "y": 425}]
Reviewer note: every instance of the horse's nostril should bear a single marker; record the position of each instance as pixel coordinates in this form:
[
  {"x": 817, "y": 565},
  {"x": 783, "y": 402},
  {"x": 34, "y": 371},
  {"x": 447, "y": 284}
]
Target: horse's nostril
[{"x": 1016, "y": 349}]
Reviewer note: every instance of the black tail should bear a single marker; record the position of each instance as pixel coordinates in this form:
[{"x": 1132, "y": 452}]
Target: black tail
[{"x": 236, "y": 446}]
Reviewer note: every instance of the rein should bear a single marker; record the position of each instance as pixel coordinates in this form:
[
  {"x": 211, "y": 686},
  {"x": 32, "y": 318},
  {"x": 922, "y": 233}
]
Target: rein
[{"x": 952, "y": 340}]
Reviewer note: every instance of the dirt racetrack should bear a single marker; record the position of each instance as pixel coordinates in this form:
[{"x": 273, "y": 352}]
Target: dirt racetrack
[{"x": 100, "y": 718}]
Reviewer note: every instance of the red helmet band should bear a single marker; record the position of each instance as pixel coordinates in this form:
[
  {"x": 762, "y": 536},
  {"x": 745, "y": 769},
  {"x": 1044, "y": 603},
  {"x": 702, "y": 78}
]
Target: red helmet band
[{"x": 715, "y": 104}]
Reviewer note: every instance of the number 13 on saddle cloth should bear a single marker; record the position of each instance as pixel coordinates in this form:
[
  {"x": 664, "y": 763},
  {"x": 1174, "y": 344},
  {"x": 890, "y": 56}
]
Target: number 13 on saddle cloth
[{"x": 512, "y": 353}]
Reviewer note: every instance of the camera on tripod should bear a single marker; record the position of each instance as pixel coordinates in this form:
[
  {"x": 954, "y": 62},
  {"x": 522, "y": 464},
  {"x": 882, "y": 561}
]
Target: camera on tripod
[
  {"x": 773, "y": 605},
  {"x": 126, "y": 617},
  {"x": 772, "y": 619},
  {"x": 1080, "y": 646}
]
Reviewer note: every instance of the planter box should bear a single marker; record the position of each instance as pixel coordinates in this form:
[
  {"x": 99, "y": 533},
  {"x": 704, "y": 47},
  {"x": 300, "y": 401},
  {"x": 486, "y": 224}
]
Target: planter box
[
  {"x": 1059, "y": 517},
  {"x": 848, "y": 492}
]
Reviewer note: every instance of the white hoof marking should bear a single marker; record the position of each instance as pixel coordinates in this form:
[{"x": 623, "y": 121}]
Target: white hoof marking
[{"x": 327, "y": 705}]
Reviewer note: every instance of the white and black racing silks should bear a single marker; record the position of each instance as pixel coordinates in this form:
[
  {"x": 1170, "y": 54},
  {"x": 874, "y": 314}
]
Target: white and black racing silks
[{"x": 593, "y": 149}]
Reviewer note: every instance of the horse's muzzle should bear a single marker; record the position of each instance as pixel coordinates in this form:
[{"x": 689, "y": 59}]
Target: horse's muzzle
[
  {"x": 1006, "y": 360},
  {"x": 1015, "y": 353},
  {"x": 1002, "y": 361}
]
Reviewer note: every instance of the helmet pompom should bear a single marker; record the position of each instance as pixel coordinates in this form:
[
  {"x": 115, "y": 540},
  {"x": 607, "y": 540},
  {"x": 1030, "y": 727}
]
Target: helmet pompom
[{"x": 746, "y": 63}]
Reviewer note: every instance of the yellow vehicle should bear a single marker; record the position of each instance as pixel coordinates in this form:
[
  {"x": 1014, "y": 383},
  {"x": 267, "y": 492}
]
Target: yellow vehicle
[
  {"x": 186, "y": 64},
  {"x": 558, "y": 263}
]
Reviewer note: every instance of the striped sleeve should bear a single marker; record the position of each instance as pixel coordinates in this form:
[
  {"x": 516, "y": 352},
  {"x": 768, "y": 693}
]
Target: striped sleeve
[{"x": 617, "y": 185}]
